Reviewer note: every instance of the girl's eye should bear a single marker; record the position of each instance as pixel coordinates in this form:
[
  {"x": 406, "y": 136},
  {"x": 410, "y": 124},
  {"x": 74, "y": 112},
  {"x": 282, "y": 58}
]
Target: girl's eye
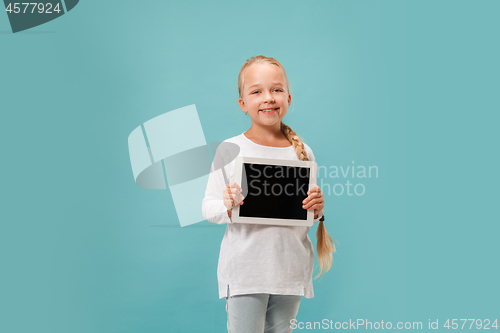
[
  {"x": 255, "y": 92},
  {"x": 278, "y": 90}
]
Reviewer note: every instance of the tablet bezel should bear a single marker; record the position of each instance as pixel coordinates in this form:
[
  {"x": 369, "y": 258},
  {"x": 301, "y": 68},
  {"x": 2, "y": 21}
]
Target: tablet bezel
[{"x": 238, "y": 170}]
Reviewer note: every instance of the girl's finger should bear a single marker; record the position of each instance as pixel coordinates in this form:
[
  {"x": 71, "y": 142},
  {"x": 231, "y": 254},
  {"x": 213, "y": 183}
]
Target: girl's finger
[
  {"x": 315, "y": 207},
  {"x": 313, "y": 202},
  {"x": 235, "y": 190},
  {"x": 316, "y": 194},
  {"x": 230, "y": 192},
  {"x": 313, "y": 196},
  {"x": 237, "y": 197},
  {"x": 235, "y": 186},
  {"x": 315, "y": 188}
]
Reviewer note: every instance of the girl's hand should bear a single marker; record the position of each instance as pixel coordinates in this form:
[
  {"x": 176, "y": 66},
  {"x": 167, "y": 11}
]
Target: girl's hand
[
  {"x": 232, "y": 195},
  {"x": 315, "y": 200}
]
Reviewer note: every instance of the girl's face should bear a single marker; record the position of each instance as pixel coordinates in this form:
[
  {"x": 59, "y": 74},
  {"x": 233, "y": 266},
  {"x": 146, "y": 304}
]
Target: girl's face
[{"x": 265, "y": 96}]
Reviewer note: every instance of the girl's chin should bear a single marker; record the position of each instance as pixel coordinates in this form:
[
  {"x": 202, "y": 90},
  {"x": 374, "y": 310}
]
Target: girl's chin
[{"x": 271, "y": 123}]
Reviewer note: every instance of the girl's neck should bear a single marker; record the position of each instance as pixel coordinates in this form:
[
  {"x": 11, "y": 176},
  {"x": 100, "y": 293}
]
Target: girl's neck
[{"x": 265, "y": 136}]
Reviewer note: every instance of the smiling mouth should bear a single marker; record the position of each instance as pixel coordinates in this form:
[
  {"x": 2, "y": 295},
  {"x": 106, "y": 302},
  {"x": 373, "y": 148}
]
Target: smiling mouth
[{"x": 268, "y": 111}]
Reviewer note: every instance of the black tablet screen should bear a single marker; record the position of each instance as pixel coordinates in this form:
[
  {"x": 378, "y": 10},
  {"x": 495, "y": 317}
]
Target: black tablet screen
[{"x": 274, "y": 191}]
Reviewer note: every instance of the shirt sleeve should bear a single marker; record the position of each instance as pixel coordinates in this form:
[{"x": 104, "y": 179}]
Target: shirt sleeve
[
  {"x": 311, "y": 157},
  {"x": 213, "y": 208}
]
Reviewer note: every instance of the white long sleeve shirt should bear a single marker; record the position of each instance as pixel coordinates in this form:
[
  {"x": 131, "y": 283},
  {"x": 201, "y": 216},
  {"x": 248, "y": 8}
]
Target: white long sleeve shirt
[{"x": 258, "y": 258}]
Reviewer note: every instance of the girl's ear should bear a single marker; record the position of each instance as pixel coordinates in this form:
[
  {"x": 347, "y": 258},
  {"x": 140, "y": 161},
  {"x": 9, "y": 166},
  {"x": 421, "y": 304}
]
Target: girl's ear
[
  {"x": 242, "y": 104},
  {"x": 289, "y": 99}
]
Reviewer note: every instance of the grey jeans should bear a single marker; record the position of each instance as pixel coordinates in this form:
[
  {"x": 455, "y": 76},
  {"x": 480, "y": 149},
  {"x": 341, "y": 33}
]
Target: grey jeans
[{"x": 261, "y": 313}]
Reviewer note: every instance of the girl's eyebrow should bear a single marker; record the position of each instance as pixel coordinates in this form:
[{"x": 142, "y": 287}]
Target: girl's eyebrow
[{"x": 258, "y": 84}]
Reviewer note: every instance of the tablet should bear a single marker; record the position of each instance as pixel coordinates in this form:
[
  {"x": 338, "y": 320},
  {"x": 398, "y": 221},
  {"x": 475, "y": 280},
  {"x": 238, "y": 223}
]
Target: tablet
[{"x": 274, "y": 190}]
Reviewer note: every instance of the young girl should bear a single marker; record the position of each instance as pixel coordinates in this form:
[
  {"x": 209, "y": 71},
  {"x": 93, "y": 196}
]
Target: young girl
[{"x": 264, "y": 270}]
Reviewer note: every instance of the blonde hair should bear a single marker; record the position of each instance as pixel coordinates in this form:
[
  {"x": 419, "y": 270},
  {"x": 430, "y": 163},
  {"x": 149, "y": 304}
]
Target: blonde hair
[
  {"x": 325, "y": 245},
  {"x": 258, "y": 60}
]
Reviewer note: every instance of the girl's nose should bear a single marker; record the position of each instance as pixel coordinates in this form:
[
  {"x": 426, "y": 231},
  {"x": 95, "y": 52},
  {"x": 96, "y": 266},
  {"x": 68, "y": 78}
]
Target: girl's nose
[{"x": 268, "y": 98}]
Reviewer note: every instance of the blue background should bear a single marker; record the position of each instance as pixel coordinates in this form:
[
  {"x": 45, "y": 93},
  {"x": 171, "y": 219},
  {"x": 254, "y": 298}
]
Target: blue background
[{"x": 407, "y": 86}]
